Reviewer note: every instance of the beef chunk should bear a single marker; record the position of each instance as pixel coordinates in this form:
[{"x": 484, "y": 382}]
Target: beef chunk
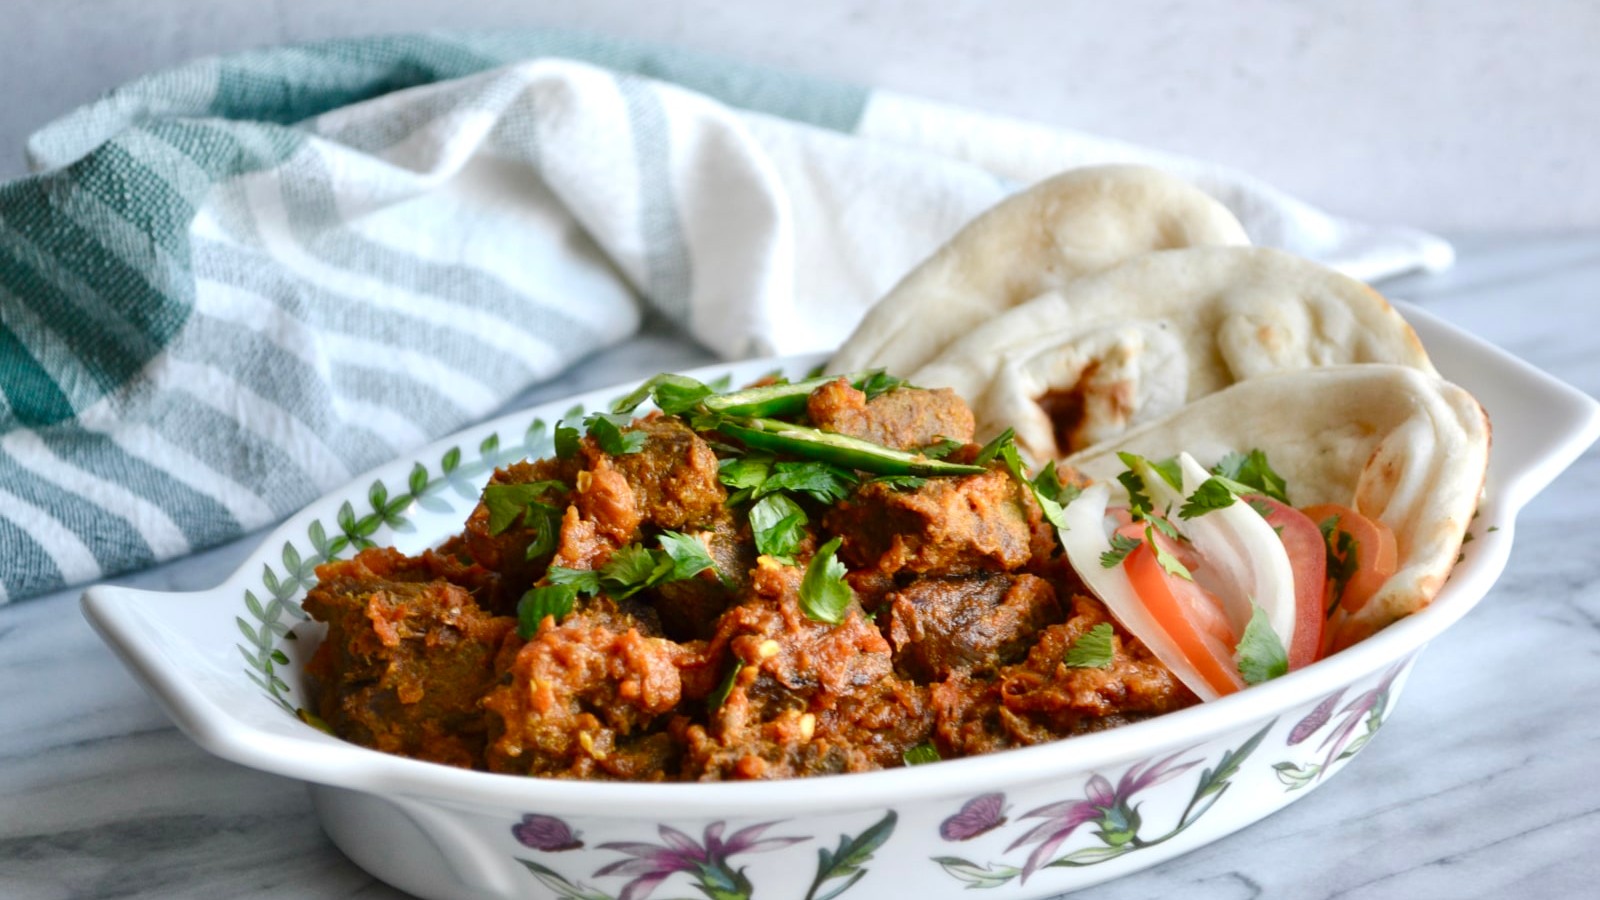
[
  {"x": 673, "y": 479},
  {"x": 1041, "y": 698},
  {"x": 578, "y": 699},
  {"x": 808, "y": 698},
  {"x": 948, "y": 526},
  {"x": 506, "y": 551},
  {"x": 689, "y": 609},
  {"x": 405, "y": 659},
  {"x": 973, "y": 623},
  {"x": 904, "y": 418}
]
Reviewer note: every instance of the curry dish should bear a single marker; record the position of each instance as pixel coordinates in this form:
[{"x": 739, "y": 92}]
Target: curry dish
[{"x": 681, "y": 598}]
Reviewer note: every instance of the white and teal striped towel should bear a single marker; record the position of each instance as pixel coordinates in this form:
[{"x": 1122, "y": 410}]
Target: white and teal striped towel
[{"x": 237, "y": 284}]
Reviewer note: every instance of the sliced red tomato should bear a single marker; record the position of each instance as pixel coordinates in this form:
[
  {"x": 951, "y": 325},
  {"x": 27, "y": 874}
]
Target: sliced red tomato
[
  {"x": 1190, "y": 616},
  {"x": 1308, "y": 559},
  {"x": 1377, "y": 555}
]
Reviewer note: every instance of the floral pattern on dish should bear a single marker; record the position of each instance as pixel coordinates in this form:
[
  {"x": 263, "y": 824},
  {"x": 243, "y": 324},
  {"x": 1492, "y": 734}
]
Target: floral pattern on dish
[
  {"x": 1117, "y": 822},
  {"x": 1368, "y": 708},
  {"x": 707, "y": 862}
]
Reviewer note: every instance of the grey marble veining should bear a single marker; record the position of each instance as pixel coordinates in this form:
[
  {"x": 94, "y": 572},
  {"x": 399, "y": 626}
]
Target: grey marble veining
[{"x": 1482, "y": 784}]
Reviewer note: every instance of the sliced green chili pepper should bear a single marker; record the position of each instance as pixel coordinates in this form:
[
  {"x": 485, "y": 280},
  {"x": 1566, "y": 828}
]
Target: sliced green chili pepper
[
  {"x": 841, "y": 450},
  {"x": 769, "y": 400}
]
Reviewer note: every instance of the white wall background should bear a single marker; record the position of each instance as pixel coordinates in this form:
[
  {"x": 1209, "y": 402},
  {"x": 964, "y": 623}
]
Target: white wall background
[{"x": 1468, "y": 115}]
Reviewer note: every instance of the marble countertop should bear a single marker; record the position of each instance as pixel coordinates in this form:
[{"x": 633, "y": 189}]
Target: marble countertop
[{"x": 1481, "y": 785}]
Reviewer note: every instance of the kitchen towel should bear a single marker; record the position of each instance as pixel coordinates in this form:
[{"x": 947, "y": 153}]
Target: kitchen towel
[{"x": 234, "y": 285}]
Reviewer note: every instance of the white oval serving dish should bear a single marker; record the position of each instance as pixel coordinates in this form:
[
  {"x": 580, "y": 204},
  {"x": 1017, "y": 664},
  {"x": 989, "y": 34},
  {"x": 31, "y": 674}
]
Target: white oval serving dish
[{"x": 225, "y": 664}]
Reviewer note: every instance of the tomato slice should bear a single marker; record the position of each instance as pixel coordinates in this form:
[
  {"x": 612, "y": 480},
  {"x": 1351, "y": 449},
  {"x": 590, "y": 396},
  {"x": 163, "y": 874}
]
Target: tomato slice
[
  {"x": 1377, "y": 555},
  {"x": 1308, "y": 558},
  {"x": 1190, "y": 616}
]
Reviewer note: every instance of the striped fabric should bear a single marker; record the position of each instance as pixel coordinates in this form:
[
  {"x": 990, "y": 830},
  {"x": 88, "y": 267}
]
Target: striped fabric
[{"x": 237, "y": 284}]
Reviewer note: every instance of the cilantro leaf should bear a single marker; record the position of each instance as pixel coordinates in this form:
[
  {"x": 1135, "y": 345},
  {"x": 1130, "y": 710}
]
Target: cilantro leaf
[
  {"x": 879, "y": 383},
  {"x": 633, "y": 568},
  {"x": 611, "y": 438},
  {"x": 566, "y": 440},
  {"x": 553, "y": 600},
  {"x": 1212, "y": 494},
  {"x": 1343, "y": 552},
  {"x": 688, "y": 554},
  {"x": 921, "y": 754},
  {"x": 1049, "y": 484},
  {"x": 1092, "y": 649},
  {"x": 509, "y": 503},
  {"x": 718, "y": 696},
  {"x": 1252, "y": 470},
  {"x": 900, "y": 482},
  {"x": 779, "y": 525},
  {"x": 746, "y": 474},
  {"x": 821, "y": 481},
  {"x": 1260, "y": 655},
  {"x": 585, "y": 580},
  {"x": 824, "y": 595},
  {"x": 673, "y": 394},
  {"x": 1052, "y": 510},
  {"x": 546, "y": 522},
  {"x": 1166, "y": 560},
  {"x": 1121, "y": 546},
  {"x": 941, "y": 448},
  {"x": 992, "y": 449}
]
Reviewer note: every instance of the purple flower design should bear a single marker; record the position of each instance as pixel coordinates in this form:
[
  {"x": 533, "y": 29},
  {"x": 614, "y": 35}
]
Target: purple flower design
[
  {"x": 980, "y": 815},
  {"x": 546, "y": 833},
  {"x": 1104, "y": 805},
  {"x": 1355, "y": 712},
  {"x": 706, "y": 861}
]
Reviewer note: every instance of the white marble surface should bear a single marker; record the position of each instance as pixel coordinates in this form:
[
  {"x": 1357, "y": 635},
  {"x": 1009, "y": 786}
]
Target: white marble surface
[
  {"x": 1452, "y": 114},
  {"x": 1481, "y": 785}
]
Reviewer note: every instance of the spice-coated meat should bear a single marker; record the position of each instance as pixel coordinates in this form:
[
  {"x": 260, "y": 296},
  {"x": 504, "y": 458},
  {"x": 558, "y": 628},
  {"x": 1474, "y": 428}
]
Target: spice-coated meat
[
  {"x": 946, "y": 526},
  {"x": 903, "y": 418},
  {"x": 967, "y": 623}
]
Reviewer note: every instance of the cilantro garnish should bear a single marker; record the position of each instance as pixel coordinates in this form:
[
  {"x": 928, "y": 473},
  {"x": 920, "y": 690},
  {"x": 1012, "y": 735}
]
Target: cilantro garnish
[
  {"x": 1166, "y": 560},
  {"x": 1252, "y": 470},
  {"x": 1343, "y": 554},
  {"x": 1260, "y": 655},
  {"x": 1092, "y": 649},
  {"x": 566, "y": 439},
  {"x": 1052, "y": 510},
  {"x": 745, "y": 474},
  {"x": 900, "y": 482},
  {"x": 991, "y": 449},
  {"x": 1121, "y": 546},
  {"x": 824, "y": 595},
  {"x": 717, "y": 697},
  {"x": 879, "y": 383},
  {"x": 921, "y": 754},
  {"x": 1212, "y": 494},
  {"x": 608, "y": 434},
  {"x": 941, "y": 448},
  {"x": 823, "y": 482},
  {"x": 779, "y": 525},
  {"x": 673, "y": 394},
  {"x": 688, "y": 554},
  {"x": 510, "y": 504},
  {"x": 633, "y": 568},
  {"x": 553, "y": 600}
]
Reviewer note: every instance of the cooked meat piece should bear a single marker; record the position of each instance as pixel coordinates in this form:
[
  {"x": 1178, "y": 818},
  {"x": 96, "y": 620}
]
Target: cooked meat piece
[
  {"x": 948, "y": 526},
  {"x": 1042, "y": 699},
  {"x": 673, "y": 478},
  {"x": 405, "y": 660},
  {"x": 971, "y": 623},
  {"x": 506, "y": 552},
  {"x": 689, "y": 608},
  {"x": 904, "y": 418},
  {"x": 578, "y": 699},
  {"x": 809, "y": 697}
]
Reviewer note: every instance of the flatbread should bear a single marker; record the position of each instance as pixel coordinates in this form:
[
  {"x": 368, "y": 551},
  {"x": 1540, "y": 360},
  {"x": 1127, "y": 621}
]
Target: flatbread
[
  {"x": 1082, "y": 221},
  {"x": 1394, "y": 443},
  {"x": 1083, "y": 363}
]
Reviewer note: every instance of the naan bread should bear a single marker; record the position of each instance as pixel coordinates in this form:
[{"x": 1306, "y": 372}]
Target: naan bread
[
  {"x": 1083, "y": 363},
  {"x": 1393, "y": 443},
  {"x": 1082, "y": 221}
]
